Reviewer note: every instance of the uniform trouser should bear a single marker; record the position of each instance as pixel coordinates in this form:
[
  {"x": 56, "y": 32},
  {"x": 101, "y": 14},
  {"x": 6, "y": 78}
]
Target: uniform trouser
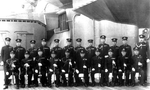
[
  {"x": 43, "y": 79},
  {"x": 7, "y": 78},
  {"x": 145, "y": 71},
  {"x": 29, "y": 77},
  {"x": 36, "y": 78},
  {"x": 77, "y": 79},
  {"x": 22, "y": 78},
  {"x": 17, "y": 78},
  {"x": 120, "y": 74},
  {"x": 57, "y": 81},
  {"x": 68, "y": 81},
  {"x": 4, "y": 67},
  {"x": 114, "y": 77},
  {"x": 86, "y": 77},
  {"x": 141, "y": 79},
  {"x": 16, "y": 74},
  {"x": 101, "y": 78}
]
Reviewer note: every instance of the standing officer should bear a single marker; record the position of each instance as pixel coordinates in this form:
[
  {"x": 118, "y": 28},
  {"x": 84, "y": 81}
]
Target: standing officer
[
  {"x": 110, "y": 68},
  {"x": 137, "y": 67},
  {"x": 78, "y": 49},
  {"x": 54, "y": 65},
  {"x": 144, "y": 52},
  {"x": 19, "y": 50},
  {"x": 45, "y": 49},
  {"x": 103, "y": 46},
  {"x": 115, "y": 47},
  {"x": 97, "y": 66},
  {"x": 5, "y": 53},
  {"x": 12, "y": 66},
  {"x": 124, "y": 68},
  {"x": 126, "y": 46},
  {"x": 67, "y": 69},
  {"x": 57, "y": 49},
  {"x": 70, "y": 47},
  {"x": 32, "y": 50},
  {"x": 90, "y": 51}
]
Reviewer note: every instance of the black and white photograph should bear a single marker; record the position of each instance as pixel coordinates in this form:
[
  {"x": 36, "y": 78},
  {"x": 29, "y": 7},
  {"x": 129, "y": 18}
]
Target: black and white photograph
[{"x": 74, "y": 44}]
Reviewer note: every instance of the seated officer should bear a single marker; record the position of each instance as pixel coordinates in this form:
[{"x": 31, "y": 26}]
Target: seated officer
[
  {"x": 12, "y": 66},
  {"x": 36, "y": 68},
  {"x": 97, "y": 66},
  {"x": 90, "y": 51},
  {"x": 42, "y": 66},
  {"x": 110, "y": 68},
  {"x": 57, "y": 49},
  {"x": 78, "y": 49},
  {"x": 70, "y": 47},
  {"x": 124, "y": 68},
  {"x": 54, "y": 70},
  {"x": 82, "y": 69},
  {"x": 137, "y": 67},
  {"x": 26, "y": 70},
  {"x": 67, "y": 69}
]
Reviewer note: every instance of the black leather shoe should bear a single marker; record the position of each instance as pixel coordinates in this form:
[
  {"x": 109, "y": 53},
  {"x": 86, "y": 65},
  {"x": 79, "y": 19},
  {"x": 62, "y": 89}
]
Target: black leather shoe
[
  {"x": 93, "y": 84},
  {"x": 6, "y": 87},
  {"x": 57, "y": 85},
  {"x": 49, "y": 86},
  {"x": 17, "y": 87},
  {"x": 85, "y": 85},
  {"x": 22, "y": 86}
]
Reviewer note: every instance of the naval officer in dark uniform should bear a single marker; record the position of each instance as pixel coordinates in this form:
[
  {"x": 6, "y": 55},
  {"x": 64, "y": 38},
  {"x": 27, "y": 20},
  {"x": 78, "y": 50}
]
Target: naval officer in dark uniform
[{"x": 5, "y": 52}]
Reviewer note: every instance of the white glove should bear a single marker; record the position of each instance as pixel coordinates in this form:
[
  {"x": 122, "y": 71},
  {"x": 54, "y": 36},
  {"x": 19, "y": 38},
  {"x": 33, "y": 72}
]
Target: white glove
[
  {"x": 34, "y": 59},
  {"x": 123, "y": 76},
  {"x": 54, "y": 65},
  {"x": 120, "y": 70},
  {"x": 99, "y": 65},
  {"x": 113, "y": 62},
  {"x": 84, "y": 66},
  {"x": 106, "y": 56},
  {"x": 106, "y": 70},
  {"x": 124, "y": 65},
  {"x": 2, "y": 63},
  {"x": 133, "y": 69},
  {"x": 13, "y": 65},
  {"x": 93, "y": 69},
  {"x": 40, "y": 64},
  {"x": 63, "y": 71},
  {"x": 36, "y": 71},
  {"x": 77, "y": 71},
  {"x": 139, "y": 63},
  {"x": 110, "y": 75},
  {"x": 50, "y": 70},
  {"x": 70, "y": 63},
  {"x": 7, "y": 73},
  {"x": 137, "y": 75},
  {"x": 148, "y": 60},
  {"x": 27, "y": 65}
]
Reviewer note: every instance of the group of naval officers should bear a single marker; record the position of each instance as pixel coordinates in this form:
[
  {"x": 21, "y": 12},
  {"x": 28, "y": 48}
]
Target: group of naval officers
[{"x": 104, "y": 65}]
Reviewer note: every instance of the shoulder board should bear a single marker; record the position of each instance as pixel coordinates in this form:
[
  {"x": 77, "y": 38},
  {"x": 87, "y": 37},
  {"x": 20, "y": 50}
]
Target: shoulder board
[
  {"x": 113, "y": 58},
  {"x": 126, "y": 57},
  {"x": 106, "y": 56},
  {"x": 84, "y": 59},
  {"x": 59, "y": 48},
  {"x": 140, "y": 56},
  {"x": 45, "y": 48}
]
